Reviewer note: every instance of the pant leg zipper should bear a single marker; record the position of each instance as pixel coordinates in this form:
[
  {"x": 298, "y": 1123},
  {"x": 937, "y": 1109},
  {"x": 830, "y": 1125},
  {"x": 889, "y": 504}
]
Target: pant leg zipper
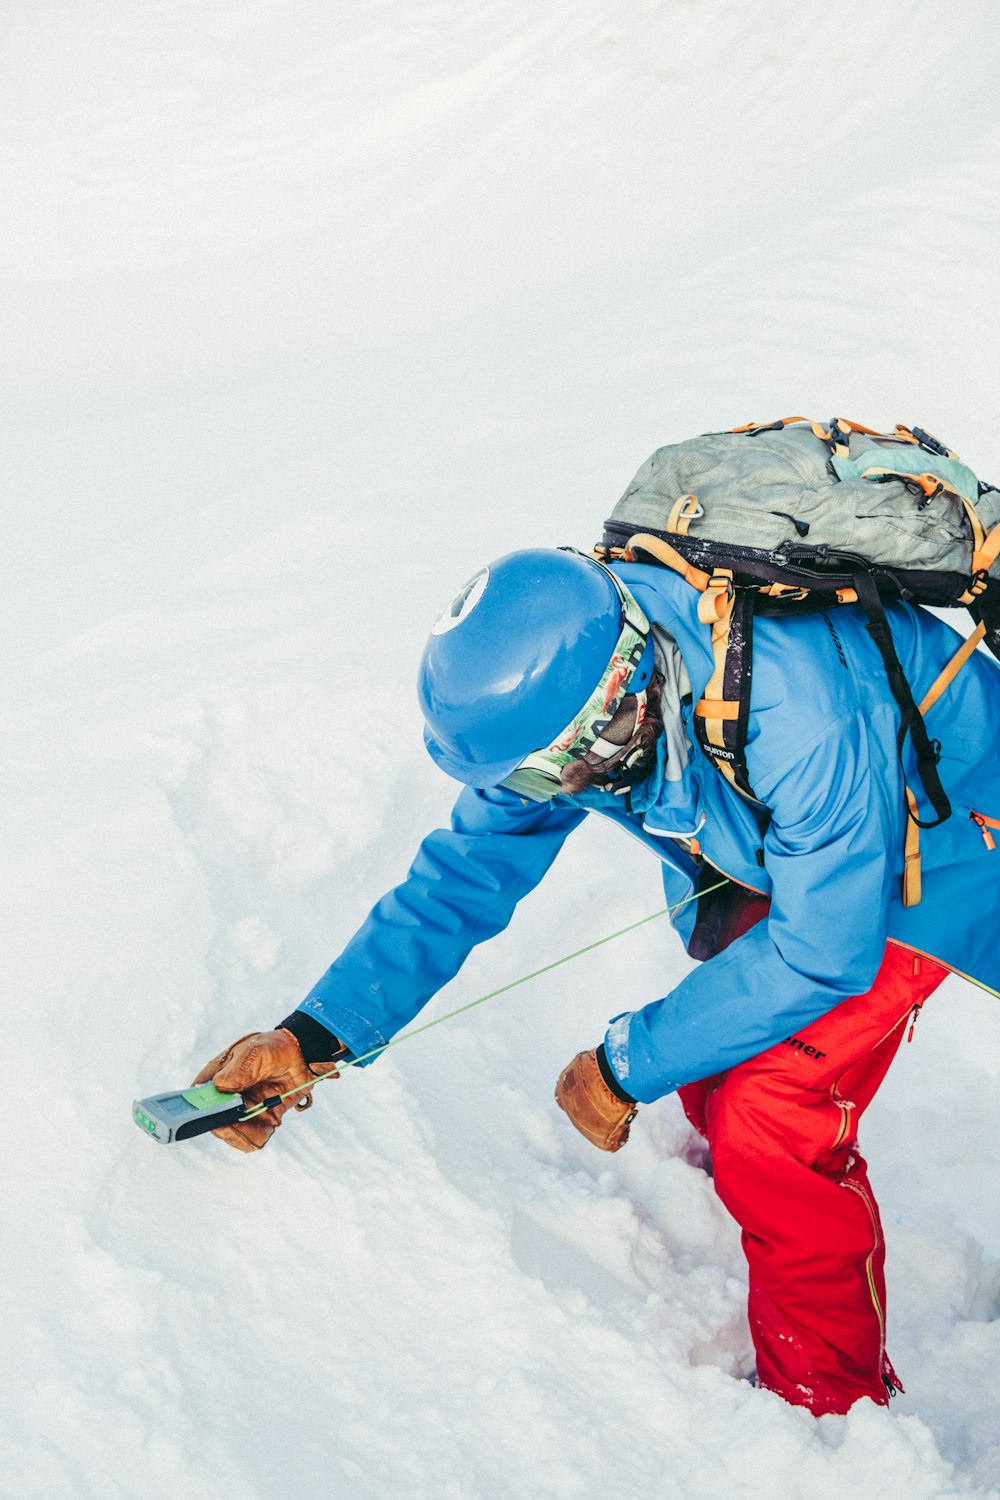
[{"x": 892, "y": 1382}]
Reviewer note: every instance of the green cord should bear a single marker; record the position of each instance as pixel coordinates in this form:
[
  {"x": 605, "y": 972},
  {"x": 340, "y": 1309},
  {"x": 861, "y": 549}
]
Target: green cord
[{"x": 353, "y": 1062}]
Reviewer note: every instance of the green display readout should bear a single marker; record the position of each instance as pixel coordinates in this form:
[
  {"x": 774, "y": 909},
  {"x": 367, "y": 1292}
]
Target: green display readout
[{"x": 206, "y": 1096}]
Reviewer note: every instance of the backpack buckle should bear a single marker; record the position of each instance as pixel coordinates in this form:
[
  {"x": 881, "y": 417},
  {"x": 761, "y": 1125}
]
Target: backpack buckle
[{"x": 716, "y": 601}]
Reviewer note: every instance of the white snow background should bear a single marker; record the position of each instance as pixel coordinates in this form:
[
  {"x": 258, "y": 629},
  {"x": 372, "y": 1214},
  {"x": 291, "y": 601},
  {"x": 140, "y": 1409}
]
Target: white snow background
[{"x": 308, "y": 310}]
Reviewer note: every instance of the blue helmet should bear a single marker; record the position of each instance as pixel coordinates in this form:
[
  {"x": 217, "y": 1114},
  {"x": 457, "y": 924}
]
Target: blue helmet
[{"x": 519, "y": 653}]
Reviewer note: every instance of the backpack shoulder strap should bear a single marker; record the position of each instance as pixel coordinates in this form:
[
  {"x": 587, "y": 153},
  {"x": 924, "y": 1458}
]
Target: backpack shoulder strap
[{"x": 720, "y": 717}]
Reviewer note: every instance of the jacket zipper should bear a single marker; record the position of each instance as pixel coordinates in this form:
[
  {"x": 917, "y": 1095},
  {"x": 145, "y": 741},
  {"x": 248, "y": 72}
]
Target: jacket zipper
[
  {"x": 746, "y": 886},
  {"x": 984, "y": 825},
  {"x": 603, "y": 812}
]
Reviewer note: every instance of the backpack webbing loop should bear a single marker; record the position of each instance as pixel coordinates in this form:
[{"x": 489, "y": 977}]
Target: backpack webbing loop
[
  {"x": 716, "y": 602},
  {"x": 684, "y": 511}
]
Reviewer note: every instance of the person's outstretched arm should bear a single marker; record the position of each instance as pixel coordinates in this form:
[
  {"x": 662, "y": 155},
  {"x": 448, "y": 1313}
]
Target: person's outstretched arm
[{"x": 462, "y": 888}]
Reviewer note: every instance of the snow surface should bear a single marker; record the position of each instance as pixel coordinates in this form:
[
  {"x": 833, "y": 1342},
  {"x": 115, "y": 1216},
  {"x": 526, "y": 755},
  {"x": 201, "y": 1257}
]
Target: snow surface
[{"x": 309, "y": 309}]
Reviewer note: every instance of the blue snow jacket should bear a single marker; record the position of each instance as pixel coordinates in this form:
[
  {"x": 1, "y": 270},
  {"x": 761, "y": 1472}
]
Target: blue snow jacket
[{"x": 828, "y": 850}]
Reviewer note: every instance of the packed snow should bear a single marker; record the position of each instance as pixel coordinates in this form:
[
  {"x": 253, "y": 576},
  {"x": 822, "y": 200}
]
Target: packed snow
[{"x": 309, "y": 310}]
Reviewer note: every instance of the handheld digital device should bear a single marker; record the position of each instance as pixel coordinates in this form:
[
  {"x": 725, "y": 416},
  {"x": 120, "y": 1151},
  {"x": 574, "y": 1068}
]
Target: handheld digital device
[{"x": 183, "y": 1113}]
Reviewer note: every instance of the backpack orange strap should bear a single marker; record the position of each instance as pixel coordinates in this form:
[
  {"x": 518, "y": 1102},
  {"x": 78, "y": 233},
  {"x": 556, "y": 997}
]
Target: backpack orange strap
[
  {"x": 669, "y": 556},
  {"x": 912, "y": 883},
  {"x": 719, "y": 715},
  {"x": 979, "y": 537},
  {"x": 987, "y": 553},
  {"x": 948, "y": 673},
  {"x": 755, "y": 427},
  {"x": 912, "y": 889},
  {"x": 716, "y": 708},
  {"x": 837, "y": 438},
  {"x": 916, "y": 435},
  {"x": 715, "y": 711}
]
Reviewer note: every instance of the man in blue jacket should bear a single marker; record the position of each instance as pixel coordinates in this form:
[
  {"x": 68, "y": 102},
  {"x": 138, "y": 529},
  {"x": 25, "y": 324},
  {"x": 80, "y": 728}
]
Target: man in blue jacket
[{"x": 554, "y": 686}]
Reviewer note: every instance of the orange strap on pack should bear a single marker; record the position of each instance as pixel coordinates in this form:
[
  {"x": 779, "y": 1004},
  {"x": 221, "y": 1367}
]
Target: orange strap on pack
[
  {"x": 837, "y": 438},
  {"x": 716, "y": 708},
  {"x": 912, "y": 882},
  {"x": 775, "y": 426},
  {"x": 948, "y": 674},
  {"x": 912, "y": 890},
  {"x": 929, "y": 485},
  {"x": 669, "y": 556},
  {"x": 921, "y": 439},
  {"x": 979, "y": 537},
  {"x": 987, "y": 554},
  {"x": 715, "y": 608},
  {"x": 716, "y": 602}
]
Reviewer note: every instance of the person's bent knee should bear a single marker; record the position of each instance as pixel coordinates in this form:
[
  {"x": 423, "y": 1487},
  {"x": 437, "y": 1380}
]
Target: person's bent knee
[{"x": 759, "y": 1118}]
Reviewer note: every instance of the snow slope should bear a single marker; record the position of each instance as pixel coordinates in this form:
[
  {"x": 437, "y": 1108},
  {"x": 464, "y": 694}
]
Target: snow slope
[{"x": 309, "y": 309}]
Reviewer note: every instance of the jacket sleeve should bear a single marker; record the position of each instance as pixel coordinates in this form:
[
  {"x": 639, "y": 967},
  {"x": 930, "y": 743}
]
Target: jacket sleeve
[
  {"x": 832, "y": 852},
  {"x": 462, "y": 888}
]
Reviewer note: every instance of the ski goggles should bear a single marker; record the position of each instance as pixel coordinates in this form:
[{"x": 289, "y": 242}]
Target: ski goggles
[{"x": 630, "y": 670}]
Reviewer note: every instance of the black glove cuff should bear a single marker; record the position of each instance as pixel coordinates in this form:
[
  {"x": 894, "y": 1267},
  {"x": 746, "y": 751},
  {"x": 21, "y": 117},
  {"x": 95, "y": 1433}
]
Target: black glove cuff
[
  {"x": 317, "y": 1043},
  {"x": 610, "y": 1079}
]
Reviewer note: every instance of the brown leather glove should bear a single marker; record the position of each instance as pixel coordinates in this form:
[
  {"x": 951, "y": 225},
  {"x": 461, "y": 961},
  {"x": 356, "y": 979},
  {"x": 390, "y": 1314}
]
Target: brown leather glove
[
  {"x": 595, "y": 1111},
  {"x": 258, "y": 1066}
]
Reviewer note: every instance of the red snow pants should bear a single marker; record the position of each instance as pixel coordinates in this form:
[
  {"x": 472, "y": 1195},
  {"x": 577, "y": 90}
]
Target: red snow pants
[{"x": 782, "y": 1130}]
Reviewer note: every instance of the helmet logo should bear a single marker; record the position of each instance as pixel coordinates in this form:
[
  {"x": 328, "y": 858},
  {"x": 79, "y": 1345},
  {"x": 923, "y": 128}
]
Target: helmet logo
[{"x": 464, "y": 603}]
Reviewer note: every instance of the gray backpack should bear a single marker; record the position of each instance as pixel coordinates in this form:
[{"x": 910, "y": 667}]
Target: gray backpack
[{"x": 797, "y": 516}]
